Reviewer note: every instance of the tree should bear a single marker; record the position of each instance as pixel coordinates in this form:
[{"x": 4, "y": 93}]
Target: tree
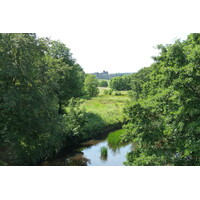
[
  {"x": 139, "y": 83},
  {"x": 36, "y": 76},
  {"x": 29, "y": 124},
  {"x": 120, "y": 83},
  {"x": 164, "y": 118},
  {"x": 91, "y": 86},
  {"x": 67, "y": 74},
  {"x": 103, "y": 84}
]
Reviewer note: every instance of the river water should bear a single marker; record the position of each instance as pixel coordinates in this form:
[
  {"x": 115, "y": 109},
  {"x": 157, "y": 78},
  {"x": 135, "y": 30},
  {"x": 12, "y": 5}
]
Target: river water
[{"x": 89, "y": 154}]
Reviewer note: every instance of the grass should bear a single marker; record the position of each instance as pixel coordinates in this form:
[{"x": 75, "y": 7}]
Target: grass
[
  {"x": 101, "y": 89},
  {"x": 114, "y": 138},
  {"x": 108, "y": 107}
]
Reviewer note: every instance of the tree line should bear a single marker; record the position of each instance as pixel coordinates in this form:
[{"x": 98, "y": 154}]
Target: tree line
[{"x": 105, "y": 75}]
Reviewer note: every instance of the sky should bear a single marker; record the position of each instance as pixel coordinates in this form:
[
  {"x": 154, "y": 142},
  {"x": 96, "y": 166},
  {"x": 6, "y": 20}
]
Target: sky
[
  {"x": 111, "y": 35},
  {"x": 113, "y": 52}
]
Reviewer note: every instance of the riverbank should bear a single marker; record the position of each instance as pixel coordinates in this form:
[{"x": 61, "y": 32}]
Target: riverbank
[
  {"x": 104, "y": 115},
  {"x": 89, "y": 153}
]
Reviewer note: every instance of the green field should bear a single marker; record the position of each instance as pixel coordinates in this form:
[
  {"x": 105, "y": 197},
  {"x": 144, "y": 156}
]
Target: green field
[{"x": 108, "y": 107}]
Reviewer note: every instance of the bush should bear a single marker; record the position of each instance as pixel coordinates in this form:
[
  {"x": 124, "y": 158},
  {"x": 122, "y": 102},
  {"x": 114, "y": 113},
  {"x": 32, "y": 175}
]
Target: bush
[
  {"x": 103, "y": 84},
  {"x": 108, "y": 92}
]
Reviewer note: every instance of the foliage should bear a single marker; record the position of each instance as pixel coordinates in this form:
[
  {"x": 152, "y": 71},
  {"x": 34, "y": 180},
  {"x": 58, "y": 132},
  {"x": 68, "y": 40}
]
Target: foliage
[
  {"x": 103, "y": 84},
  {"x": 120, "y": 83},
  {"x": 164, "y": 112},
  {"x": 94, "y": 125},
  {"x": 139, "y": 83},
  {"x": 36, "y": 77},
  {"x": 75, "y": 119},
  {"x": 91, "y": 86},
  {"x": 66, "y": 74}
]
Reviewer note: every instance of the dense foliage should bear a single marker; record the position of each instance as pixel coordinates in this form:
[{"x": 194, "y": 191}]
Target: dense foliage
[
  {"x": 164, "y": 113},
  {"x": 91, "y": 85},
  {"x": 37, "y": 77},
  {"x": 120, "y": 83},
  {"x": 103, "y": 83}
]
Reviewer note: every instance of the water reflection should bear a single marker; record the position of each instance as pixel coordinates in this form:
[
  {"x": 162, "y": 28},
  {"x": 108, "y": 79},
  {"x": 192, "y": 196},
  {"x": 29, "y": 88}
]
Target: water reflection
[
  {"x": 77, "y": 160},
  {"x": 116, "y": 148},
  {"x": 89, "y": 154},
  {"x": 104, "y": 158}
]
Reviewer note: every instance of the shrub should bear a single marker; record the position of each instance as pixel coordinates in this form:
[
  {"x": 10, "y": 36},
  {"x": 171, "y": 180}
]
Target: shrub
[{"x": 103, "y": 84}]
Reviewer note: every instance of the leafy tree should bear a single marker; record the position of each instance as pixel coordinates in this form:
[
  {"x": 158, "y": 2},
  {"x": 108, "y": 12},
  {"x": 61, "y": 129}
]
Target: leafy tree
[
  {"x": 139, "y": 83},
  {"x": 67, "y": 74},
  {"x": 91, "y": 86},
  {"x": 29, "y": 125},
  {"x": 75, "y": 120},
  {"x": 164, "y": 118},
  {"x": 36, "y": 76},
  {"x": 120, "y": 83},
  {"x": 103, "y": 84}
]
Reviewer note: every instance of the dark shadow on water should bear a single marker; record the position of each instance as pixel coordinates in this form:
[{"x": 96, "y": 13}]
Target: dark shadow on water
[{"x": 77, "y": 160}]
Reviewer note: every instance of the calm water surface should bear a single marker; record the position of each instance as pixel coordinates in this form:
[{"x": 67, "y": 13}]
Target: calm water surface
[{"x": 89, "y": 154}]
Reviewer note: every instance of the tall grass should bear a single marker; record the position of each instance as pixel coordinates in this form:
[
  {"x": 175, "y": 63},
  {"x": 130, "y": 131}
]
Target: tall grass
[
  {"x": 108, "y": 107},
  {"x": 115, "y": 137},
  {"x": 104, "y": 151}
]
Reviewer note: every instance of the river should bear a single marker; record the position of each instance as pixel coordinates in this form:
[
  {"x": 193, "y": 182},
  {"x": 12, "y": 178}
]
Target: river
[{"x": 89, "y": 154}]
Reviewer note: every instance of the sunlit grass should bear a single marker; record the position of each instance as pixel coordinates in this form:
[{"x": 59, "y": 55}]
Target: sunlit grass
[
  {"x": 114, "y": 138},
  {"x": 108, "y": 107}
]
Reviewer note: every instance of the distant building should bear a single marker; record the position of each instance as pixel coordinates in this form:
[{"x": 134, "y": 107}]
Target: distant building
[{"x": 105, "y": 72}]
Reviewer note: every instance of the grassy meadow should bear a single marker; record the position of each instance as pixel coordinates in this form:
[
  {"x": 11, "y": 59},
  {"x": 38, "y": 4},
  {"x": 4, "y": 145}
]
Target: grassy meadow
[
  {"x": 106, "y": 111},
  {"x": 108, "y": 107}
]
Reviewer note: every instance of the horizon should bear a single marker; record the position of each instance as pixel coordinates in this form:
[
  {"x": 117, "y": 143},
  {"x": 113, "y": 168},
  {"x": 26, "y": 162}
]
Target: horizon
[{"x": 113, "y": 73}]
